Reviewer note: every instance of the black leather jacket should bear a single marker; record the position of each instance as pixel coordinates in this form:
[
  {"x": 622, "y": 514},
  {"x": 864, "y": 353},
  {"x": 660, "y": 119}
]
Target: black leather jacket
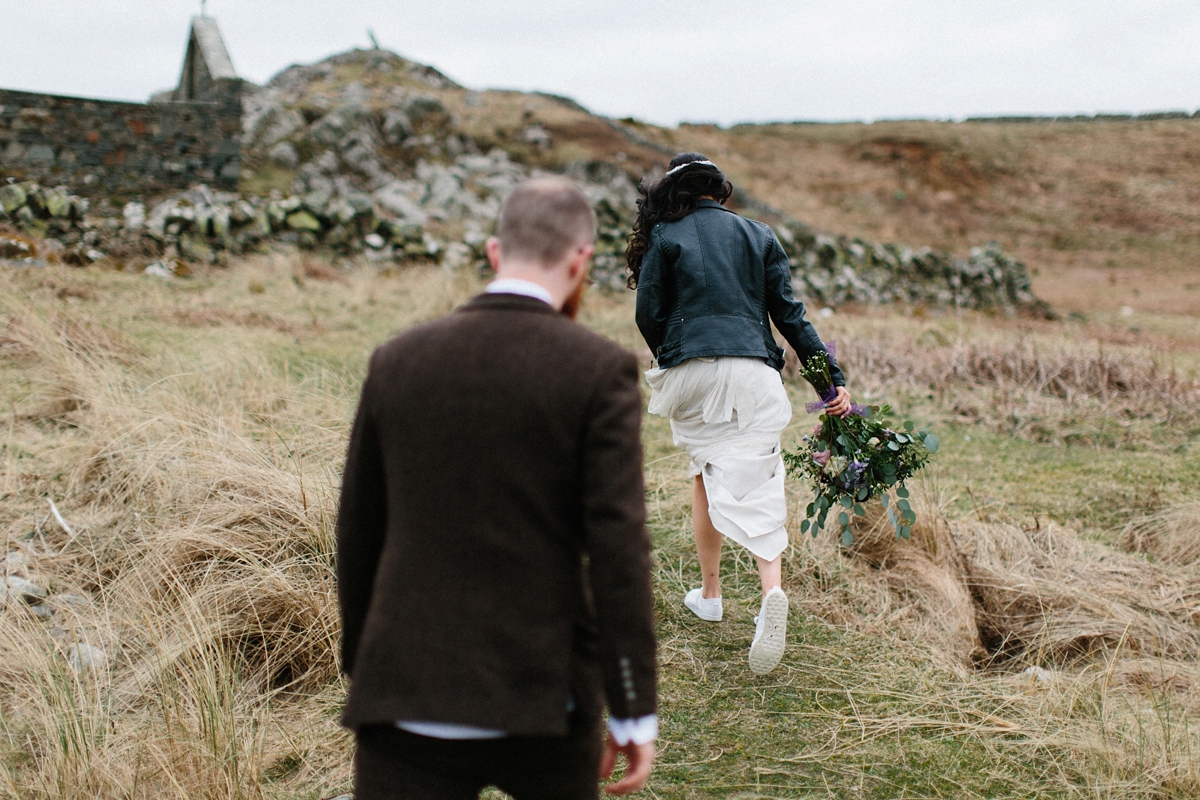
[{"x": 711, "y": 285}]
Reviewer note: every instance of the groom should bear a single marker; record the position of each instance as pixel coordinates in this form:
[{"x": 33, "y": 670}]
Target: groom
[{"x": 493, "y": 564}]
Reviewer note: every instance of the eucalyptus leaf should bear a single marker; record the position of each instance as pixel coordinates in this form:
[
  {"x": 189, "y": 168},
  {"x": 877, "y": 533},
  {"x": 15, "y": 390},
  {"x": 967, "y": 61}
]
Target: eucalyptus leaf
[
  {"x": 858, "y": 510},
  {"x": 846, "y": 501},
  {"x": 902, "y": 492},
  {"x": 884, "y": 499},
  {"x": 843, "y": 519},
  {"x": 893, "y": 446},
  {"x": 931, "y": 443},
  {"x": 901, "y": 438},
  {"x": 905, "y": 532},
  {"x": 847, "y": 537},
  {"x": 903, "y": 505},
  {"x": 804, "y": 526},
  {"x": 908, "y": 426}
]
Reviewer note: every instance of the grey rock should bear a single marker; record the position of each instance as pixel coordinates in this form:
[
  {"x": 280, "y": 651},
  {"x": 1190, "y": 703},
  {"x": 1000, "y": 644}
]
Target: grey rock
[
  {"x": 15, "y": 562},
  {"x": 386, "y": 253},
  {"x": 374, "y": 241},
  {"x": 220, "y": 221},
  {"x": 268, "y": 122},
  {"x": 241, "y": 212},
  {"x": 83, "y": 657},
  {"x": 337, "y": 236},
  {"x": 284, "y": 154},
  {"x": 303, "y": 221},
  {"x": 57, "y": 203},
  {"x": 355, "y": 94},
  {"x": 41, "y": 611},
  {"x": 24, "y": 589},
  {"x": 328, "y": 129},
  {"x": 39, "y": 154},
  {"x": 537, "y": 135},
  {"x": 12, "y": 197},
  {"x": 396, "y": 201},
  {"x": 135, "y": 216},
  {"x": 341, "y": 211},
  {"x": 159, "y": 270},
  {"x": 396, "y": 126},
  {"x": 318, "y": 199}
]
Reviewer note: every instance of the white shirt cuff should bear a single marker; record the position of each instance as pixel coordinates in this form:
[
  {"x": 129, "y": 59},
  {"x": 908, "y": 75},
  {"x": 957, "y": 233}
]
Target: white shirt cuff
[{"x": 639, "y": 730}]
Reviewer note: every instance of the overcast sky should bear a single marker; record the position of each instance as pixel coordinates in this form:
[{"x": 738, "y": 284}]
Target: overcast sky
[{"x": 663, "y": 61}]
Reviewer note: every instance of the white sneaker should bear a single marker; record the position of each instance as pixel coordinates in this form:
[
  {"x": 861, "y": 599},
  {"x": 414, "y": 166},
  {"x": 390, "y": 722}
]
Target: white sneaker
[
  {"x": 708, "y": 608},
  {"x": 770, "y": 634}
]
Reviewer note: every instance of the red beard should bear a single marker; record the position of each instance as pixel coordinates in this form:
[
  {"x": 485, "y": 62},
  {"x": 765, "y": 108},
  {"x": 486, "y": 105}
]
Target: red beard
[{"x": 571, "y": 305}]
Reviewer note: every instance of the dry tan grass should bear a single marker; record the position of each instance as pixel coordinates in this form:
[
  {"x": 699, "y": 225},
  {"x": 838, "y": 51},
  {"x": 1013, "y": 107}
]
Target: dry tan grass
[
  {"x": 199, "y": 498},
  {"x": 1170, "y": 537},
  {"x": 199, "y": 487}
]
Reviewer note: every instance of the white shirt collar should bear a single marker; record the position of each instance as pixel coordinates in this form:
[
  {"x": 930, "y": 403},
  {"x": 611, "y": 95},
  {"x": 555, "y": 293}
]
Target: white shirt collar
[{"x": 521, "y": 287}]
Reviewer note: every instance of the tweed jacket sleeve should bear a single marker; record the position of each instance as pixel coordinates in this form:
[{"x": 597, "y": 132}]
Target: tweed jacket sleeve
[
  {"x": 652, "y": 303},
  {"x": 788, "y": 313},
  {"x": 361, "y": 520},
  {"x": 618, "y": 548}
]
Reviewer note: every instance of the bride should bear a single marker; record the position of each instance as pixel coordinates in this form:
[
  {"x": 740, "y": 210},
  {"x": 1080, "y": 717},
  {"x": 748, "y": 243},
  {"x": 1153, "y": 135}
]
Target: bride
[{"x": 709, "y": 284}]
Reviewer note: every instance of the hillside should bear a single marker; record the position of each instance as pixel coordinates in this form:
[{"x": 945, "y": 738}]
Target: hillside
[{"x": 1105, "y": 213}]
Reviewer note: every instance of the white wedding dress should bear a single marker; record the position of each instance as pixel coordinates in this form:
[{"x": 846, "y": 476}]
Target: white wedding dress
[{"x": 728, "y": 413}]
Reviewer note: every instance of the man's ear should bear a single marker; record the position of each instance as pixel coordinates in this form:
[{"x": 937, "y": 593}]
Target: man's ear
[
  {"x": 579, "y": 261},
  {"x": 492, "y": 246}
]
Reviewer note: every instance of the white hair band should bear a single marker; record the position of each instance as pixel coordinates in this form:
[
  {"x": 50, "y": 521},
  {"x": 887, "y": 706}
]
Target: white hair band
[{"x": 689, "y": 164}]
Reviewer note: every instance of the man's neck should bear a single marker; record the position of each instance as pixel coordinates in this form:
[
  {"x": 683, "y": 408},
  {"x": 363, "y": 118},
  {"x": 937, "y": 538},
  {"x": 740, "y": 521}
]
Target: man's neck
[{"x": 538, "y": 276}]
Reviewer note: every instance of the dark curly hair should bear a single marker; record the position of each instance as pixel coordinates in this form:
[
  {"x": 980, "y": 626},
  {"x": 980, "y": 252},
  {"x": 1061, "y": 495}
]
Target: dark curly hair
[{"x": 671, "y": 198}]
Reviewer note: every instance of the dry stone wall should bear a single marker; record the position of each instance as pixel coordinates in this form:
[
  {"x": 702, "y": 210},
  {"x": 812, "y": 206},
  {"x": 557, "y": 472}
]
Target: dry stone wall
[{"x": 101, "y": 147}]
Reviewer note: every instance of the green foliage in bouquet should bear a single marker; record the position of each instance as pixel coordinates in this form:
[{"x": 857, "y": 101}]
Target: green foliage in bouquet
[{"x": 850, "y": 460}]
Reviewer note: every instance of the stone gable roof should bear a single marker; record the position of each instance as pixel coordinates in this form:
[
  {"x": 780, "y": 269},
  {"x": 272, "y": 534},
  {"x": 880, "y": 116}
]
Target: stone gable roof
[
  {"x": 206, "y": 63},
  {"x": 207, "y": 38}
]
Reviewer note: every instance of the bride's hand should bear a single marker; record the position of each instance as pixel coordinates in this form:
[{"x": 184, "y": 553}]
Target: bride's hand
[{"x": 840, "y": 405}]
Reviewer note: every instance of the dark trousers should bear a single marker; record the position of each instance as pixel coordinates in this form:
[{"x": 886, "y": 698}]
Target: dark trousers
[{"x": 391, "y": 764}]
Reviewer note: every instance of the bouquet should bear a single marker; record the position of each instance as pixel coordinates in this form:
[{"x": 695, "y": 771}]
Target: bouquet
[{"x": 849, "y": 460}]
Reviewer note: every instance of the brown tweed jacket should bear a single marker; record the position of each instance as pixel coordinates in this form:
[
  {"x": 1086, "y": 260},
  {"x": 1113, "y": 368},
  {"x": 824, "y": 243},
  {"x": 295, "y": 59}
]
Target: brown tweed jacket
[{"x": 492, "y": 558}]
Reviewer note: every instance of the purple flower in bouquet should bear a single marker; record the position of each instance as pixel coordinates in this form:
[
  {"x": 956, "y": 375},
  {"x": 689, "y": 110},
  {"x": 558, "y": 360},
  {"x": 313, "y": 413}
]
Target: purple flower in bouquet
[{"x": 852, "y": 476}]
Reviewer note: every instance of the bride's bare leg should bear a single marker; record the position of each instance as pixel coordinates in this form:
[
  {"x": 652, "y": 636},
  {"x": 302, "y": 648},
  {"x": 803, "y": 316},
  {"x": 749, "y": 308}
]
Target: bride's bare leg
[
  {"x": 708, "y": 542},
  {"x": 770, "y": 573}
]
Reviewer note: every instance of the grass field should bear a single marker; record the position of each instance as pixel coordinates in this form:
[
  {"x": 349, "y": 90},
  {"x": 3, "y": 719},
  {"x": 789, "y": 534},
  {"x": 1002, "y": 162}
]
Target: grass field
[{"x": 191, "y": 432}]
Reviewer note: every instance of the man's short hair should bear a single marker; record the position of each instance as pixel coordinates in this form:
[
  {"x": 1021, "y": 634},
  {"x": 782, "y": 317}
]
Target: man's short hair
[{"x": 543, "y": 220}]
